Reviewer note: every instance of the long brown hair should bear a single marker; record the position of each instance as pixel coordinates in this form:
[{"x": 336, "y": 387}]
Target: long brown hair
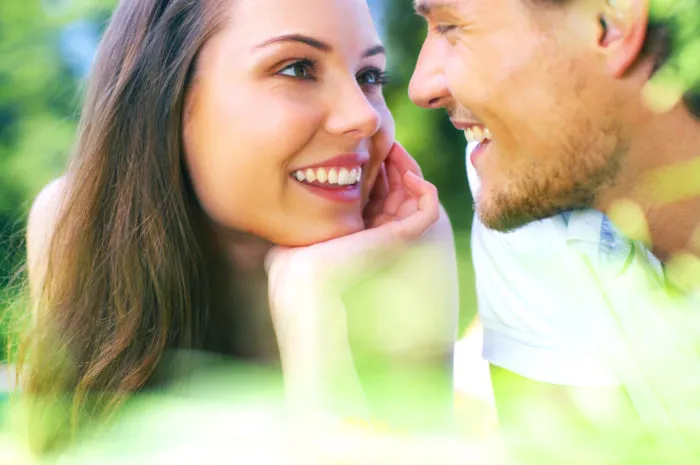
[{"x": 126, "y": 274}]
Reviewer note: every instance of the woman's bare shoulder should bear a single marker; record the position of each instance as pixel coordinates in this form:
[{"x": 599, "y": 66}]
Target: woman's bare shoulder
[{"x": 42, "y": 221}]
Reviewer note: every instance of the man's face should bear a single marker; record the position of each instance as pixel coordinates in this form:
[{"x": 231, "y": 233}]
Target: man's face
[{"x": 531, "y": 83}]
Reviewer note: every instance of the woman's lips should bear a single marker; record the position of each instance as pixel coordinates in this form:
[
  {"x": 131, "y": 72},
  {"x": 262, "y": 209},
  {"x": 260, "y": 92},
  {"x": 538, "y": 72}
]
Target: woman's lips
[
  {"x": 337, "y": 179},
  {"x": 343, "y": 194},
  {"x": 346, "y": 160}
]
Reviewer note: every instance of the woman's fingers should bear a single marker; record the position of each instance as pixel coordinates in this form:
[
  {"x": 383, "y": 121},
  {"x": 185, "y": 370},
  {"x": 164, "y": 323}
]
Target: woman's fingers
[
  {"x": 394, "y": 218},
  {"x": 377, "y": 198},
  {"x": 396, "y": 190},
  {"x": 408, "y": 207},
  {"x": 381, "y": 219},
  {"x": 399, "y": 157},
  {"x": 401, "y": 200},
  {"x": 381, "y": 185},
  {"x": 422, "y": 211},
  {"x": 425, "y": 192},
  {"x": 427, "y": 207}
]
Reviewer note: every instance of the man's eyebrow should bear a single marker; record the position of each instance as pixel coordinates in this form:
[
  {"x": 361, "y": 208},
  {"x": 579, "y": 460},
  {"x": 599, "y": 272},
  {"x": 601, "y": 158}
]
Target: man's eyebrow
[
  {"x": 372, "y": 51},
  {"x": 428, "y": 7},
  {"x": 315, "y": 43}
]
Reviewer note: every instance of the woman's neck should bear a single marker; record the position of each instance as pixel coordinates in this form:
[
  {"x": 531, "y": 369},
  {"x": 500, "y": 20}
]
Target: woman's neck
[
  {"x": 240, "y": 324},
  {"x": 244, "y": 252}
]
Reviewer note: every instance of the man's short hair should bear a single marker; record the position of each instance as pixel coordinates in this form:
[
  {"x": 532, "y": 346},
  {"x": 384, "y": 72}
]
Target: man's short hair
[{"x": 661, "y": 43}]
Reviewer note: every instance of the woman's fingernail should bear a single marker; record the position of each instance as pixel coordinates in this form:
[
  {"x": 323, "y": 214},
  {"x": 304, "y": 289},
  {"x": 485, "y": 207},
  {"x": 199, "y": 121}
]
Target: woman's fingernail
[{"x": 414, "y": 175}]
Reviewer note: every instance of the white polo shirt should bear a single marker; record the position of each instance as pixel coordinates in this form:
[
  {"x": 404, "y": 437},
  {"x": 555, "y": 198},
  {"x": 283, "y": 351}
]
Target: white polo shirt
[{"x": 570, "y": 301}]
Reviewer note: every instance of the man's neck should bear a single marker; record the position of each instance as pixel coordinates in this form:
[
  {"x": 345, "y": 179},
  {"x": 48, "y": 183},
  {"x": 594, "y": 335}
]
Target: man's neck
[{"x": 660, "y": 182}]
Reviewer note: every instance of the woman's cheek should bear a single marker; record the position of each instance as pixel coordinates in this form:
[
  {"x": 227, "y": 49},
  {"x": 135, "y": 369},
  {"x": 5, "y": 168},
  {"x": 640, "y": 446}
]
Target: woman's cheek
[
  {"x": 379, "y": 146},
  {"x": 383, "y": 140}
]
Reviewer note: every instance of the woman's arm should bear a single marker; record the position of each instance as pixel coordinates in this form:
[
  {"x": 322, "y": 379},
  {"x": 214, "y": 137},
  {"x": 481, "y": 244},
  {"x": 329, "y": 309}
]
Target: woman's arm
[
  {"x": 403, "y": 326},
  {"x": 387, "y": 293}
]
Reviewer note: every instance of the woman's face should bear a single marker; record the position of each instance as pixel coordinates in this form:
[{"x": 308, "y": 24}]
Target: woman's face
[{"x": 285, "y": 125}]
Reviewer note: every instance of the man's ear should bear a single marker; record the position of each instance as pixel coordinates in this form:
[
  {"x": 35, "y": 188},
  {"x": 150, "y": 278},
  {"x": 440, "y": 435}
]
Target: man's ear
[{"x": 623, "y": 26}]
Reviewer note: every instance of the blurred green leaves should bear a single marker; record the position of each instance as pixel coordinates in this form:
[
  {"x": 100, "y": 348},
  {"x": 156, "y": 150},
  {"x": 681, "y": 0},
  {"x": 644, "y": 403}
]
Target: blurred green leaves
[
  {"x": 39, "y": 105},
  {"x": 681, "y": 72}
]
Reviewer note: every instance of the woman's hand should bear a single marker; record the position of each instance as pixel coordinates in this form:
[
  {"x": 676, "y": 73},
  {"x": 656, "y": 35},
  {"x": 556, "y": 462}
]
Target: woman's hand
[
  {"x": 402, "y": 208},
  {"x": 306, "y": 285}
]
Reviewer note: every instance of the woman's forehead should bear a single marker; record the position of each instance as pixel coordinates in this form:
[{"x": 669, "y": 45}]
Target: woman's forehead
[{"x": 328, "y": 20}]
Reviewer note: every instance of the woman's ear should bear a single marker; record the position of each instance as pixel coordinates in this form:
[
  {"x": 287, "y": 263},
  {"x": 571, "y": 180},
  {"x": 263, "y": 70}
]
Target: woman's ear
[{"x": 188, "y": 104}]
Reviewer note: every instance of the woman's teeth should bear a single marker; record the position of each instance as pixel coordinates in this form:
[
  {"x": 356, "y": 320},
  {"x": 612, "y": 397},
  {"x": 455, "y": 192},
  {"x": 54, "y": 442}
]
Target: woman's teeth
[
  {"x": 336, "y": 176},
  {"x": 477, "y": 134}
]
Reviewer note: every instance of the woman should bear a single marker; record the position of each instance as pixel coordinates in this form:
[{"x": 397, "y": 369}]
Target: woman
[{"x": 212, "y": 131}]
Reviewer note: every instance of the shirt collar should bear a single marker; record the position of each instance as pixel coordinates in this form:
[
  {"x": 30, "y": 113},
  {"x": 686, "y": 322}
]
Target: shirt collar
[{"x": 593, "y": 234}]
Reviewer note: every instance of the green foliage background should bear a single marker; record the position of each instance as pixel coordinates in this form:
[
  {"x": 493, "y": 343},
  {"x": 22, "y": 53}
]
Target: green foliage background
[{"x": 40, "y": 97}]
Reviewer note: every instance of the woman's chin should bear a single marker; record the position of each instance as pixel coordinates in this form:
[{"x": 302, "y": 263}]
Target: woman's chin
[{"x": 321, "y": 234}]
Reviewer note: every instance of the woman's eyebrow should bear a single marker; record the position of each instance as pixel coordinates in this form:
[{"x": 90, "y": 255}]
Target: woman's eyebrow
[{"x": 317, "y": 44}]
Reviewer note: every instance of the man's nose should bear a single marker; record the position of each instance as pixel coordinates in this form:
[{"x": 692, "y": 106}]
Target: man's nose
[{"x": 428, "y": 87}]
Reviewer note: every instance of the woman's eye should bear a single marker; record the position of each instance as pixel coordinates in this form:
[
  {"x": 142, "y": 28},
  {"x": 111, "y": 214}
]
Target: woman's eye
[
  {"x": 301, "y": 69},
  {"x": 372, "y": 77}
]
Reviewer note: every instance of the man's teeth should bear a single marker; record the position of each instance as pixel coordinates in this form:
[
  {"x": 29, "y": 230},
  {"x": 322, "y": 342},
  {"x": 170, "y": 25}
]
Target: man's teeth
[
  {"x": 338, "y": 176},
  {"x": 477, "y": 134}
]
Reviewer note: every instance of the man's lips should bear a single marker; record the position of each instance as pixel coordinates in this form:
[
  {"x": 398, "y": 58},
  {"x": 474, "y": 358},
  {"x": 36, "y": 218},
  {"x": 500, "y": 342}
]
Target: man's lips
[
  {"x": 478, "y": 151},
  {"x": 473, "y": 131},
  {"x": 464, "y": 125}
]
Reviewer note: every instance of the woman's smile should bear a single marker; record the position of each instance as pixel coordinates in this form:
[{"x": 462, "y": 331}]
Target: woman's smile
[{"x": 338, "y": 179}]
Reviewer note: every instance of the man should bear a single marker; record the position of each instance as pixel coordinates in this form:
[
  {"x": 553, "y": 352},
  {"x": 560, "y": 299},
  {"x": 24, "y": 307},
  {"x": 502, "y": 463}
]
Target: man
[{"x": 573, "y": 109}]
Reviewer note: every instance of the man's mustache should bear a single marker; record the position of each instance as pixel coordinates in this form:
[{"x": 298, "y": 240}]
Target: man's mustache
[{"x": 459, "y": 113}]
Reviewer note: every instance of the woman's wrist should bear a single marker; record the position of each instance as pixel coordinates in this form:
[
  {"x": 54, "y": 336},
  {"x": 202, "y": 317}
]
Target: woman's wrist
[{"x": 320, "y": 377}]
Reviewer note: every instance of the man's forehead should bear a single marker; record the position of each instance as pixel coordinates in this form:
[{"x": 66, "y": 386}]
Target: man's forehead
[{"x": 428, "y": 7}]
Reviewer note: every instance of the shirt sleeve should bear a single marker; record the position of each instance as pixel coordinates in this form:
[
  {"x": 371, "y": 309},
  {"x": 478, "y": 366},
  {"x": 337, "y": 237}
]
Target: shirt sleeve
[{"x": 544, "y": 316}]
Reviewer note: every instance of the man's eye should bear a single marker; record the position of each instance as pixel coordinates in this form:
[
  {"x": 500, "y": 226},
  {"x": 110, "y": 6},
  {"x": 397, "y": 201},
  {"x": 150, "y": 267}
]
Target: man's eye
[
  {"x": 300, "y": 69},
  {"x": 445, "y": 28}
]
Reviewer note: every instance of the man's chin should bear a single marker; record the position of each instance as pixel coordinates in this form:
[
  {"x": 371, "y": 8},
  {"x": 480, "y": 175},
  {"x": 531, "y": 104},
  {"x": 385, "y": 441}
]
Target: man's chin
[
  {"x": 504, "y": 224},
  {"x": 506, "y": 219},
  {"x": 507, "y": 210}
]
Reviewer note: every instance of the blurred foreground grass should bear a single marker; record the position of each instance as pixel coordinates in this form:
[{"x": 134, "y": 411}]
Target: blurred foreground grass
[{"x": 233, "y": 414}]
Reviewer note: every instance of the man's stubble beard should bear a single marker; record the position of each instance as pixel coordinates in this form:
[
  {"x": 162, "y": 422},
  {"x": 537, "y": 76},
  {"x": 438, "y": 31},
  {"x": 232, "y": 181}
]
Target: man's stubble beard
[{"x": 537, "y": 192}]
